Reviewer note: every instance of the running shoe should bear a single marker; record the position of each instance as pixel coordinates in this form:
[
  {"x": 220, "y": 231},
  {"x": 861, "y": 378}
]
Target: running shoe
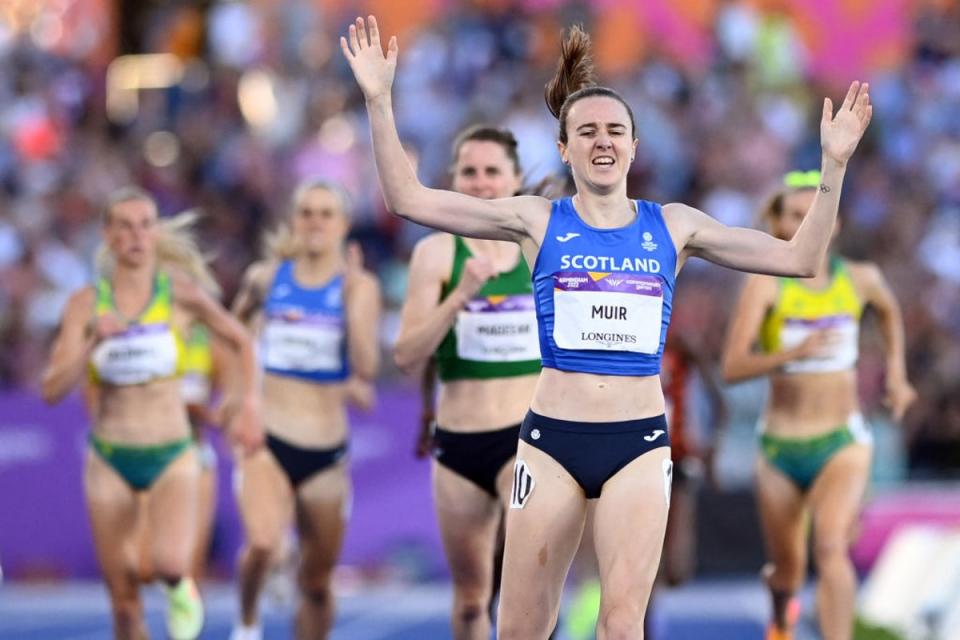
[
  {"x": 793, "y": 616},
  {"x": 184, "y": 611},
  {"x": 584, "y": 611},
  {"x": 243, "y": 632}
]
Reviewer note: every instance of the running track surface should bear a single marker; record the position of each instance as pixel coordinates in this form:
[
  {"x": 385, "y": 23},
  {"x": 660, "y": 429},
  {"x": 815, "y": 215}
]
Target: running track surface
[{"x": 725, "y": 610}]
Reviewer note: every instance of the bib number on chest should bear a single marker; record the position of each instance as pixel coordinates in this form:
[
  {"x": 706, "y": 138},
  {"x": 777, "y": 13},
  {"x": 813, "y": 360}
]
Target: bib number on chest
[
  {"x": 841, "y": 352},
  {"x": 140, "y": 354},
  {"x": 498, "y": 329},
  {"x": 308, "y": 344},
  {"x": 607, "y": 311}
]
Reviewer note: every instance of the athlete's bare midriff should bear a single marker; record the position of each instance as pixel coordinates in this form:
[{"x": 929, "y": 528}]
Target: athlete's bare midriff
[
  {"x": 484, "y": 405},
  {"x": 590, "y": 397},
  {"x": 142, "y": 414},
  {"x": 809, "y": 404},
  {"x": 304, "y": 413}
]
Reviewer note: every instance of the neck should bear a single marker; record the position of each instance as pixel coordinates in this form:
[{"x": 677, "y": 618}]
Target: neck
[
  {"x": 314, "y": 268},
  {"x": 128, "y": 276},
  {"x": 605, "y": 208}
]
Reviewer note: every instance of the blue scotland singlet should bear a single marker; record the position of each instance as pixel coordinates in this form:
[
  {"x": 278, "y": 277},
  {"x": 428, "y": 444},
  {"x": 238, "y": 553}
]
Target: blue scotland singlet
[
  {"x": 304, "y": 329},
  {"x": 604, "y": 296}
]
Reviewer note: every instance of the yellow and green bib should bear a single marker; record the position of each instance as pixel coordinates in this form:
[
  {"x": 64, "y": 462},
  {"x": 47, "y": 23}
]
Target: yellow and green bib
[
  {"x": 800, "y": 311},
  {"x": 148, "y": 349}
]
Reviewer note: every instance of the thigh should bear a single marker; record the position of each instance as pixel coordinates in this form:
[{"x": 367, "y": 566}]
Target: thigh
[
  {"x": 783, "y": 517},
  {"x": 544, "y": 525},
  {"x": 114, "y": 517},
  {"x": 265, "y": 498},
  {"x": 629, "y": 525},
  {"x": 172, "y": 509},
  {"x": 837, "y": 493},
  {"x": 468, "y": 517},
  {"x": 322, "y": 509}
]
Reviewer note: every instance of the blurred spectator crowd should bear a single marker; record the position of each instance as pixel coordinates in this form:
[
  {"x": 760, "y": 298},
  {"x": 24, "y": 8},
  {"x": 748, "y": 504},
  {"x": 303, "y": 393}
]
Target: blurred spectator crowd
[{"x": 255, "y": 96}]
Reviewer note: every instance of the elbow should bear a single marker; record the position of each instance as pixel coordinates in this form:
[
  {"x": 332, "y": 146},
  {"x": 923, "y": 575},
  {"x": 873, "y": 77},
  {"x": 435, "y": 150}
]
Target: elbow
[
  {"x": 367, "y": 370},
  {"x": 730, "y": 373},
  {"x": 50, "y": 393},
  {"x": 405, "y": 359}
]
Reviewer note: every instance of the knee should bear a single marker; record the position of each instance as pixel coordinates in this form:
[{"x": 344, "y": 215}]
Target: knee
[
  {"x": 315, "y": 586},
  {"x": 830, "y": 549},
  {"x": 259, "y": 552},
  {"x": 170, "y": 565},
  {"x": 621, "y": 622},
  {"x": 469, "y": 608}
]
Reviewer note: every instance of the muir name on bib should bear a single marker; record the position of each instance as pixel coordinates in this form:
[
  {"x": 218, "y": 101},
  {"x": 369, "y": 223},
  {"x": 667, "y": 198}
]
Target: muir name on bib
[
  {"x": 607, "y": 311},
  {"x": 498, "y": 328}
]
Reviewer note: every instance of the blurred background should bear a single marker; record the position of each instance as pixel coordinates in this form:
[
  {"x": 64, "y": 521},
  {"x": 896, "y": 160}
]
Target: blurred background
[{"x": 225, "y": 106}]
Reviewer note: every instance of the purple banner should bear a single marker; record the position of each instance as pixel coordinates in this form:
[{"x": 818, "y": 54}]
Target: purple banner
[
  {"x": 618, "y": 282},
  {"x": 493, "y": 304},
  {"x": 45, "y": 531}
]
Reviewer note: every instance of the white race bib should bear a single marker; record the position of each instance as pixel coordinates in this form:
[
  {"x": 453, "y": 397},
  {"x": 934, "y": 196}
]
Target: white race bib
[
  {"x": 498, "y": 329},
  {"x": 309, "y": 343},
  {"x": 607, "y": 311},
  {"x": 842, "y": 352},
  {"x": 138, "y": 355}
]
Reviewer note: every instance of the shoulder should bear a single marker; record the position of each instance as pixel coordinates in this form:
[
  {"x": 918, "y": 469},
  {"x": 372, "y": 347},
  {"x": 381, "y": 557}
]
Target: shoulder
[
  {"x": 868, "y": 280},
  {"x": 863, "y": 271},
  {"x": 367, "y": 280},
  {"x": 761, "y": 288},
  {"x": 434, "y": 252},
  {"x": 185, "y": 288},
  {"x": 81, "y": 301},
  {"x": 260, "y": 273}
]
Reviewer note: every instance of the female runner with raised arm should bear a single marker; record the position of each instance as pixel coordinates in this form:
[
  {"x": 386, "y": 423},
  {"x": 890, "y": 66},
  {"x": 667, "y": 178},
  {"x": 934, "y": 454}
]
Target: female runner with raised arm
[
  {"x": 317, "y": 312},
  {"x": 470, "y": 305},
  {"x": 603, "y": 270},
  {"x": 815, "y": 446},
  {"x": 126, "y": 331}
]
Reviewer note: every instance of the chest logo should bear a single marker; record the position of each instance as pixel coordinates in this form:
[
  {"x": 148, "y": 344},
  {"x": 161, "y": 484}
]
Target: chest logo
[{"x": 648, "y": 242}]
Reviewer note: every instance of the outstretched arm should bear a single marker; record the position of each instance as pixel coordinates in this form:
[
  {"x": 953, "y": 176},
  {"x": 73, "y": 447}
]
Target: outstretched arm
[
  {"x": 504, "y": 219},
  {"x": 750, "y": 250}
]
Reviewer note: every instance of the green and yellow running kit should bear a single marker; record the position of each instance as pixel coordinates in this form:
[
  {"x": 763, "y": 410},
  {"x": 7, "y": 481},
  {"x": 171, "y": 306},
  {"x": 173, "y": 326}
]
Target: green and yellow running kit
[
  {"x": 148, "y": 349},
  {"x": 799, "y": 312}
]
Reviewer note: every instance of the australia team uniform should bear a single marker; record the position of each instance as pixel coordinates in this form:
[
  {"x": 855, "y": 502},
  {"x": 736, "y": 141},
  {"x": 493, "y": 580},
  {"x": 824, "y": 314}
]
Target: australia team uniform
[
  {"x": 148, "y": 349},
  {"x": 798, "y": 312}
]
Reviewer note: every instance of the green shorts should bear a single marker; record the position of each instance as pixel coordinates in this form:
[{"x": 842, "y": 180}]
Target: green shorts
[
  {"x": 802, "y": 459},
  {"x": 139, "y": 466}
]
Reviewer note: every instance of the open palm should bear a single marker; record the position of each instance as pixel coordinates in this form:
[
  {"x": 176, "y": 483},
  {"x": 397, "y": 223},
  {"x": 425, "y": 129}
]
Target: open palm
[
  {"x": 374, "y": 71},
  {"x": 840, "y": 134}
]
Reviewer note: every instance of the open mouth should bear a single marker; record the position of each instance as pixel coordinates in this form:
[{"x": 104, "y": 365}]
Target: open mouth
[{"x": 603, "y": 161}]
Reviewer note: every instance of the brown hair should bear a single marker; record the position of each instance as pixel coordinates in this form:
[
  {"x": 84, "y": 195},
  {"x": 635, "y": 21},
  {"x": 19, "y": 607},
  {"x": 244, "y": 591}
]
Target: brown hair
[
  {"x": 488, "y": 133},
  {"x": 575, "y": 79}
]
